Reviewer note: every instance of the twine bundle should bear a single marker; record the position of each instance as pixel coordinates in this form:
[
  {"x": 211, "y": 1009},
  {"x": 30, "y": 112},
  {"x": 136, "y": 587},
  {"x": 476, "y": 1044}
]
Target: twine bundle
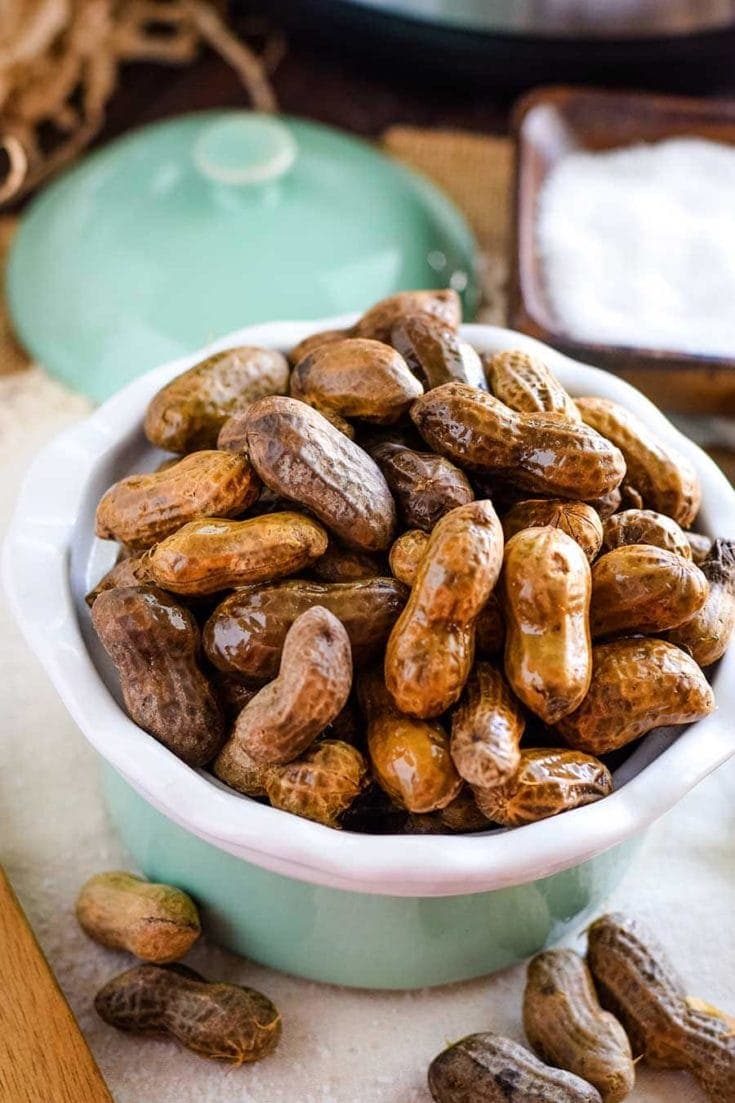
[{"x": 60, "y": 62}]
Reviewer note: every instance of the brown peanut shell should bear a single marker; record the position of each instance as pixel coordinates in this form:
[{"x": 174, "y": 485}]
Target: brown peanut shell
[
  {"x": 377, "y": 323},
  {"x": 526, "y": 384},
  {"x": 547, "y": 782},
  {"x": 645, "y": 526},
  {"x": 154, "y": 644},
  {"x": 546, "y": 595},
  {"x": 406, "y": 553},
  {"x": 536, "y": 452},
  {"x": 209, "y": 555},
  {"x": 143, "y": 509},
  {"x": 431, "y": 647},
  {"x": 487, "y": 727},
  {"x": 637, "y": 685},
  {"x": 188, "y": 413},
  {"x": 434, "y": 351},
  {"x": 130, "y": 571},
  {"x": 576, "y": 519},
  {"x": 706, "y": 636},
  {"x": 298, "y": 454},
  {"x": 424, "y": 485},
  {"x": 321, "y": 784}
]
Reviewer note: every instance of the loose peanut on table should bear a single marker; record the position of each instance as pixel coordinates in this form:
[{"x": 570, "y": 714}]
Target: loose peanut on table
[
  {"x": 225, "y": 1022},
  {"x": 378, "y": 448},
  {"x": 157, "y": 923},
  {"x": 636, "y": 981}
]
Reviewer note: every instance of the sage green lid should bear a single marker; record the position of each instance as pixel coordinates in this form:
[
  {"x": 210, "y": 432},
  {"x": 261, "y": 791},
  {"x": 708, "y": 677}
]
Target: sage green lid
[{"x": 184, "y": 230}]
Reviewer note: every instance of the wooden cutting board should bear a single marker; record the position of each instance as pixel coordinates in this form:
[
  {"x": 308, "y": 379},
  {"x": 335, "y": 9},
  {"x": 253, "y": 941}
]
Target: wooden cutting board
[{"x": 43, "y": 1056}]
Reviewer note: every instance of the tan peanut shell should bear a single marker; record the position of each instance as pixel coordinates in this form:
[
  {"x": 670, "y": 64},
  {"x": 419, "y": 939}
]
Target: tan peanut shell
[
  {"x": 240, "y": 771},
  {"x": 706, "y": 636},
  {"x": 431, "y": 647},
  {"x": 536, "y": 452},
  {"x": 356, "y": 378},
  {"x": 224, "y": 1022},
  {"x": 424, "y": 485},
  {"x": 645, "y": 526},
  {"x": 546, "y": 595},
  {"x": 313, "y": 341},
  {"x": 410, "y": 758},
  {"x": 637, "y": 685},
  {"x": 406, "y": 553},
  {"x": 321, "y": 784},
  {"x": 642, "y": 588},
  {"x": 245, "y": 633},
  {"x": 566, "y": 1026},
  {"x": 346, "y": 565},
  {"x": 666, "y": 480},
  {"x": 546, "y": 783},
  {"x": 487, "y": 1068},
  {"x": 637, "y": 982},
  {"x": 298, "y": 454},
  {"x": 487, "y": 726},
  {"x": 154, "y": 922},
  {"x": 154, "y": 644},
  {"x": 216, "y": 554},
  {"x": 434, "y": 351},
  {"x": 143, "y": 509},
  {"x": 377, "y": 323},
  {"x": 130, "y": 571},
  {"x": 576, "y": 519},
  {"x": 311, "y": 689},
  {"x": 526, "y": 384},
  {"x": 188, "y": 413}
]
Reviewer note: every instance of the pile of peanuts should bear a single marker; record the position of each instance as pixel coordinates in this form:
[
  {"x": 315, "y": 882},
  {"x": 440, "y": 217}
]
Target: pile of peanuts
[
  {"x": 589, "y": 1023},
  {"x": 393, "y": 586}
]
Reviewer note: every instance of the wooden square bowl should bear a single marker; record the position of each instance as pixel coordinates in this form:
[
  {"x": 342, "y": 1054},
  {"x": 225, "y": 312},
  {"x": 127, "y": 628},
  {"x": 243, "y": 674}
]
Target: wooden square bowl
[{"x": 548, "y": 124}]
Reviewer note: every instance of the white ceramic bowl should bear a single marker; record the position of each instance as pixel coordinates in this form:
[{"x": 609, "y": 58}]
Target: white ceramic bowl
[{"x": 52, "y": 558}]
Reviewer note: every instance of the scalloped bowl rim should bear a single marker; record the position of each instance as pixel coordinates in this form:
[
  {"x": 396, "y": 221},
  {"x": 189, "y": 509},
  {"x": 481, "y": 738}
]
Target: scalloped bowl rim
[{"x": 36, "y": 570}]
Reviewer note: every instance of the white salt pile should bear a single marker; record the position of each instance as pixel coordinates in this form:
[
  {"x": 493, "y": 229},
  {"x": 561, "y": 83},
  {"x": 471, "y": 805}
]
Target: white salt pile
[{"x": 638, "y": 245}]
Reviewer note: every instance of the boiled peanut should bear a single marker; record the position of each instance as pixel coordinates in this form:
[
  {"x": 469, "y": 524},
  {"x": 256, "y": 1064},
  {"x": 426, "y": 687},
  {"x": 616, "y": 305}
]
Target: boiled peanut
[
  {"x": 700, "y": 546},
  {"x": 637, "y": 982},
  {"x": 154, "y": 644},
  {"x": 576, "y": 519},
  {"x": 189, "y": 412},
  {"x": 642, "y": 588},
  {"x": 546, "y": 595},
  {"x": 526, "y": 384},
  {"x": 298, "y": 453},
  {"x": 665, "y": 479},
  {"x": 346, "y": 565},
  {"x": 645, "y": 526},
  {"x": 566, "y": 1026},
  {"x": 157, "y": 923},
  {"x": 143, "y": 509},
  {"x": 637, "y": 685},
  {"x": 424, "y": 485},
  {"x": 236, "y": 768},
  {"x": 314, "y": 340},
  {"x": 538, "y": 452},
  {"x": 431, "y": 647},
  {"x": 356, "y": 378},
  {"x": 487, "y": 726},
  {"x": 245, "y": 633},
  {"x": 131, "y": 571},
  {"x": 378, "y": 322},
  {"x": 406, "y": 553},
  {"x": 321, "y": 785},
  {"x": 212, "y": 554},
  {"x": 311, "y": 689},
  {"x": 547, "y": 783},
  {"x": 410, "y": 758},
  {"x": 225, "y": 1022},
  {"x": 707, "y": 634},
  {"x": 487, "y": 1068},
  {"x": 434, "y": 352}
]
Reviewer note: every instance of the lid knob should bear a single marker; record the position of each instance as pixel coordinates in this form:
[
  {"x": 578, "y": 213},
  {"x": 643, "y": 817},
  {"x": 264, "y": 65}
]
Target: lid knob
[{"x": 245, "y": 148}]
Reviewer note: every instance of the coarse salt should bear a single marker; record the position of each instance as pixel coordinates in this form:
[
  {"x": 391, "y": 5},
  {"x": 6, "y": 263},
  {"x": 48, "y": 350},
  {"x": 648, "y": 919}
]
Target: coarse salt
[{"x": 637, "y": 245}]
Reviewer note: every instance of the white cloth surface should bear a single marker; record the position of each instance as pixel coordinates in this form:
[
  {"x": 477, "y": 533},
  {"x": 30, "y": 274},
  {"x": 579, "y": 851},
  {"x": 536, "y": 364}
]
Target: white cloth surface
[{"x": 338, "y": 1046}]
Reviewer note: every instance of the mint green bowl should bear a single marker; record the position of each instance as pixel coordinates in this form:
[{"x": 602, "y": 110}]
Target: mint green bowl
[
  {"x": 359, "y": 939},
  {"x": 362, "y": 910}
]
